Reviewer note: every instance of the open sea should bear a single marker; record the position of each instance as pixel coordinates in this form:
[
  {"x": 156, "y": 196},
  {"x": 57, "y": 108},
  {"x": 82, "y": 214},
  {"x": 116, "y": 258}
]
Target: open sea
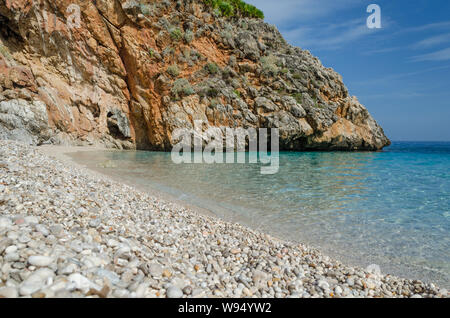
[{"x": 390, "y": 208}]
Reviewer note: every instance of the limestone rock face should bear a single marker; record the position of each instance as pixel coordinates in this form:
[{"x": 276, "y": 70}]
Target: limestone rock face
[
  {"x": 126, "y": 74},
  {"x": 23, "y": 120}
]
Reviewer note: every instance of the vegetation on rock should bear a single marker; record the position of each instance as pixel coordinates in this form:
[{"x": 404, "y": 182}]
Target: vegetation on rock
[
  {"x": 269, "y": 65},
  {"x": 230, "y": 8},
  {"x": 213, "y": 68},
  {"x": 176, "y": 34},
  {"x": 181, "y": 87},
  {"x": 173, "y": 70},
  {"x": 242, "y": 72}
]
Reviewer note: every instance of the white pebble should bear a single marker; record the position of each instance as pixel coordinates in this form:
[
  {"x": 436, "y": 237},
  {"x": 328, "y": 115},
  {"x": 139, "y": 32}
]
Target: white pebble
[
  {"x": 8, "y": 292},
  {"x": 5, "y": 222},
  {"x": 40, "y": 260},
  {"x": 174, "y": 292},
  {"x": 42, "y": 229},
  {"x": 11, "y": 249}
]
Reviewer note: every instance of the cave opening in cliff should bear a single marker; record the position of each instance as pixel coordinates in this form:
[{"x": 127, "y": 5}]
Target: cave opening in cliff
[
  {"x": 113, "y": 127},
  {"x": 10, "y": 39},
  {"x": 9, "y": 29}
]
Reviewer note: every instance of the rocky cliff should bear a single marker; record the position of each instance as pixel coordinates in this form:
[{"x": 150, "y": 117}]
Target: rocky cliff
[{"x": 127, "y": 73}]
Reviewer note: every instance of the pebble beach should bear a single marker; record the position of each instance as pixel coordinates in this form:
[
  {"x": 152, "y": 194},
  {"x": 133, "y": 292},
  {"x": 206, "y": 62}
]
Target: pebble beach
[{"x": 68, "y": 232}]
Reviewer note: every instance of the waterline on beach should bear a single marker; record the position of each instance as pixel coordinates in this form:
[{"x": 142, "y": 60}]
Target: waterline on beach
[{"x": 389, "y": 208}]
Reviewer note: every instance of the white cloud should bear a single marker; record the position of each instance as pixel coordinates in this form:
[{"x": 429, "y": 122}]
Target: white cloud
[
  {"x": 441, "y": 55},
  {"x": 398, "y": 76},
  {"x": 432, "y": 41},
  {"x": 420, "y": 45},
  {"x": 311, "y": 24},
  {"x": 444, "y": 25},
  {"x": 385, "y": 50},
  {"x": 328, "y": 36},
  {"x": 314, "y": 24}
]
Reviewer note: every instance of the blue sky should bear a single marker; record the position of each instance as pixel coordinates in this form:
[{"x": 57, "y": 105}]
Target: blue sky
[{"x": 400, "y": 72}]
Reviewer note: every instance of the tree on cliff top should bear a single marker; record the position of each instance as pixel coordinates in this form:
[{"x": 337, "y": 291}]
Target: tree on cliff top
[{"x": 231, "y": 8}]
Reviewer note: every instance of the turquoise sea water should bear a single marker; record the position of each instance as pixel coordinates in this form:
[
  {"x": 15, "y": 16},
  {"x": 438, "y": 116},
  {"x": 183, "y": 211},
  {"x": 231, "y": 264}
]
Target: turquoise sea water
[{"x": 390, "y": 208}]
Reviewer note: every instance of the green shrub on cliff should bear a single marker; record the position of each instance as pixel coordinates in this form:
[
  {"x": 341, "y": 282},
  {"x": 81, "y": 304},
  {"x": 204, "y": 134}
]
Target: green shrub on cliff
[
  {"x": 298, "y": 97},
  {"x": 212, "y": 92},
  {"x": 173, "y": 70},
  {"x": 230, "y": 8},
  {"x": 176, "y": 34},
  {"x": 269, "y": 65},
  {"x": 212, "y": 68},
  {"x": 188, "y": 36},
  {"x": 146, "y": 9},
  {"x": 248, "y": 10},
  {"x": 181, "y": 87},
  {"x": 225, "y": 8}
]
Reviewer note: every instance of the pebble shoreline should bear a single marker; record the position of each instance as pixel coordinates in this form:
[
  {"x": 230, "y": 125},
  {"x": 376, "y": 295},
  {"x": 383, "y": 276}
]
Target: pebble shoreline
[{"x": 65, "y": 232}]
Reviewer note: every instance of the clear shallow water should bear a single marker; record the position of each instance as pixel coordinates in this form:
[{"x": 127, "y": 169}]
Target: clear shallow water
[{"x": 390, "y": 208}]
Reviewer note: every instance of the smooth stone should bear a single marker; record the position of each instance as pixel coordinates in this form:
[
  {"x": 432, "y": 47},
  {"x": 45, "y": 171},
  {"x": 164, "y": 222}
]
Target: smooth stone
[
  {"x": 13, "y": 235},
  {"x": 18, "y": 265},
  {"x": 4, "y": 243},
  {"x": 42, "y": 229},
  {"x": 58, "y": 285},
  {"x": 338, "y": 290},
  {"x": 56, "y": 230},
  {"x": 187, "y": 290},
  {"x": 174, "y": 292},
  {"x": 141, "y": 289},
  {"x": 112, "y": 243},
  {"x": 259, "y": 277},
  {"x": 8, "y": 292},
  {"x": 92, "y": 261},
  {"x": 198, "y": 293},
  {"x": 36, "y": 281},
  {"x": 24, "y": 238},
  {"x": 111, "y": 276},
  {"x": 95, "y": 223},
  {"x": 12, "y": 257},
  {"x": 41, "y": 275},
  {"x": 155, "y": 270},
  {"x": 27, "y": 289},
  {"x": 11, "y": 249},
  {"x": 31, "y": 219},
  {"x": 40, "y": 260},
  {"x": 5, "y": 222},
  {"x": 323, "y": 284},
  {"x": 69, "y": 269},
  {"x": 81, "y": 283},
  {"x": 76, "y": 247}
]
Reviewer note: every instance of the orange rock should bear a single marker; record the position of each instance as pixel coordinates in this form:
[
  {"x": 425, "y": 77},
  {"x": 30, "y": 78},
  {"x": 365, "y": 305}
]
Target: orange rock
[{"x": 114, "y": 64}]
